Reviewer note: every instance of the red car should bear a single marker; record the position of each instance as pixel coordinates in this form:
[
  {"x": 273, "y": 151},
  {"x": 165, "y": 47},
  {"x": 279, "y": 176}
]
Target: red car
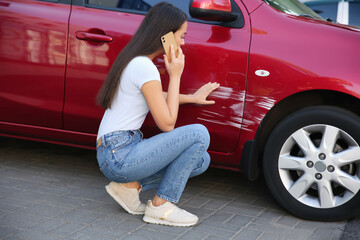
[{"x": 289, "y": 100}]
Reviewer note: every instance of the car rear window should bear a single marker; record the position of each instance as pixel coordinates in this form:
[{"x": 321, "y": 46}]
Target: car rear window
[
  {"x": 354, "y": 13},
  {"x": 326, "y": 10}
]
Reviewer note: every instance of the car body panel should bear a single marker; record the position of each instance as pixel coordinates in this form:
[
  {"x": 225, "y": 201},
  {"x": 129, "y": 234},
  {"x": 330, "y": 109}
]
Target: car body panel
[
  {"x": 207, "y": 48},
  {"x": 295, "y": 67},
  {"x": 33, "y": 47}
]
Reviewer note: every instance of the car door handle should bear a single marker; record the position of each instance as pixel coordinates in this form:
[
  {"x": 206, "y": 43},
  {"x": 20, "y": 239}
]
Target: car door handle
[{"x": 93, "y": 37}]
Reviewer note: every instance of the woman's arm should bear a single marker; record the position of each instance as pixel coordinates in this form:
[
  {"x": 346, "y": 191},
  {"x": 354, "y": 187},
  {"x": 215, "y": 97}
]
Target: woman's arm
[
  {"x": 165, "y": 110},
  {"x": 199, "y": 97}
]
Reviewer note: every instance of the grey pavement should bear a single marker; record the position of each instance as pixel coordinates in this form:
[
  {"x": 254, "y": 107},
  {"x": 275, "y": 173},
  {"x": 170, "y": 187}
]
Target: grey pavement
[{"x": 57, "y": 192}]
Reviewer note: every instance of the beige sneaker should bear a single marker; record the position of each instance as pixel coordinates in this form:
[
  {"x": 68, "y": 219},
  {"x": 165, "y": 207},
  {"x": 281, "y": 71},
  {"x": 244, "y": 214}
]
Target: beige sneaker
[
  {"x": 128, "y": 198},
  {"x": 169, "y": 214}
]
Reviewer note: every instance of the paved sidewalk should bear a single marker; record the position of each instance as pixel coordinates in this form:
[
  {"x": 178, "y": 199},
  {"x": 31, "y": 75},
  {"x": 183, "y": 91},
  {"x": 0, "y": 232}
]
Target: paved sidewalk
[{"x": 56, "y": 192}]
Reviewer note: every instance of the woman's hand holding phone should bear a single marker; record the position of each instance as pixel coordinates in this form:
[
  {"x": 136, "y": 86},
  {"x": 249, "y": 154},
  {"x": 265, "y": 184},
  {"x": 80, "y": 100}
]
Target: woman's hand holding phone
[{"x": 176, "y": 66}]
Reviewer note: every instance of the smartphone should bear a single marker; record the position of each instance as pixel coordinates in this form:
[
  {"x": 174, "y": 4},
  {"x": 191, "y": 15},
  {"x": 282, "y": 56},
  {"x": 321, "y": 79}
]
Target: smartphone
[{"x": 167, "y": 40}]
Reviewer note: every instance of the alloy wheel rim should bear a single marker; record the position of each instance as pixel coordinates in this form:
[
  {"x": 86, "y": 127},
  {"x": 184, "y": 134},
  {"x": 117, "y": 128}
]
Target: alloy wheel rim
[{"x": 319, "y": 166}]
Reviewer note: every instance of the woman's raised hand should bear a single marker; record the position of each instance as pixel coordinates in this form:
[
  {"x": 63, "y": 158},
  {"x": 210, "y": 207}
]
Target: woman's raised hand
[
  {"x": 176, "y": 66},
  {"x": 199, "y": 97}
]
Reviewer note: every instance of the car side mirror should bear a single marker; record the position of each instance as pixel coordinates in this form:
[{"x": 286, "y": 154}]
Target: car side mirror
[{"x": 212, "y": 10}]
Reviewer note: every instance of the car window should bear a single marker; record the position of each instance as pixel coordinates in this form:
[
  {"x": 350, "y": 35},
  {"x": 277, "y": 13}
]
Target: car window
[
  {"x": 142, "y": 6},
  {"x": 326, "y": 10},
  {"x": 354, "y": 13},
  {"x": 137, "y": 5}
]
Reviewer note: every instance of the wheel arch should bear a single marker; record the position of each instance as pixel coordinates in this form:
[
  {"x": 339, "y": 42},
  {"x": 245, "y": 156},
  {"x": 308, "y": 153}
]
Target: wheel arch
[
  {"x": 251, "y": 160},
  {"x": 299, "y": 101}
]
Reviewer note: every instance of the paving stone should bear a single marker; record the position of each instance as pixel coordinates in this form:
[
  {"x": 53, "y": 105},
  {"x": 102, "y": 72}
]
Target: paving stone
[
  {"x": 130, "y": 225},
  {"x": 110, "y": 220},
  {"x": 195, "y": 190},
  {"x": 6, "y": 191},
  {"x": 30, "y": 196},
  {"x": 298, "y": 234},
  {"x": 90, "y": 205},
  {"x": 245, "y": 199},
  {"x": 273, "y": 236},
  {"x": 46, "y": 188},
  {"x": 324, "y": 234},
  {"x": 2, "y": 212},
  {"x": 6, "y": 231},
  {"x": 215, "y": 238},
  {"x": 221, "y": 194},
  {"x": 247, "y": 234},
  {"x": 66, "y": 201},
  {"x": 267, "y": 228},
  {"x": 56, "y": 192},
  {"x": 80, "y": 216},
  {"x": 9, "y": 207},
  {"x": 224, "y": 221},
  {"x": 12, "y": 223},
  {"x": 44, "y": 210},
  {"x": 89, "y": 193},
  {"x": 193, "y": 235},
  {"x": 48, "y": 225},
  {"x": 243, "y": 209},
  {"x": 17, "y": 201},
  {"x": 106, "y": 208},
  {"x": 20, "y": 221},
  {"x": 83, "y": 235},
  {"x": 197, "y": 201},
  {"x": 288, "y": 220},
  {"x": 240, "y": 221},
  {"x": 270, "y": 214},
  {"x": 215, "y": 230},
  {"x": 215, "y": 204},
  {"x": 114, "y": 232},
  {"x": 67, "y": 229},
  {"x": 163, "y": 228},
  {"x": 150, "y": 235},
  {"x": 32, "y": 235},
  {"x": 351, "y": 230}
]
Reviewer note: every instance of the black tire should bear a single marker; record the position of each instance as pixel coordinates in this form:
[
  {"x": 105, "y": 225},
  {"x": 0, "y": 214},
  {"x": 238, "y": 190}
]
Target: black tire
[{"x": 294, "y": 175}]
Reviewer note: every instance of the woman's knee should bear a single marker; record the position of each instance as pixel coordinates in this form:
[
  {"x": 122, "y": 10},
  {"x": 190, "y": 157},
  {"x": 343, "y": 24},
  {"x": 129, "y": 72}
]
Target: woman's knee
[{"x": 202, "y": 132}]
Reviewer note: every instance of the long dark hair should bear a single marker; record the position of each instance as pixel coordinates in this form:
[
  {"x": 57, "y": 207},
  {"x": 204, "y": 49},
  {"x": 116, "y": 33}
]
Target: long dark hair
[{"x": 161, "y": 19}]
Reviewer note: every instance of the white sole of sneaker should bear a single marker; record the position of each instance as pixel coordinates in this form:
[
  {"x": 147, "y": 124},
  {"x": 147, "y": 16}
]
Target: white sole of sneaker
[
  {"x": 164, "y": 222},
  {"x": 119, "y": 201}
]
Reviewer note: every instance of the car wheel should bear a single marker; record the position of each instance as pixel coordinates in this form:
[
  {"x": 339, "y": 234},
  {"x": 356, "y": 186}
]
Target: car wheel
[{"x": 312, "y": 163}]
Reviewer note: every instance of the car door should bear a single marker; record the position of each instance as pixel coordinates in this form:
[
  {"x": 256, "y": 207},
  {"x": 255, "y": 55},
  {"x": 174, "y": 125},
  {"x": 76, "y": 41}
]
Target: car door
[
  {"x": 33, "y": 44},
  {"x": 214, "y": 53}
]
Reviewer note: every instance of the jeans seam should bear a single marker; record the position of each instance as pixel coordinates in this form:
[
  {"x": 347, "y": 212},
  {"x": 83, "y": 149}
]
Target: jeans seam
[
  {"x": 162, "y": 149},
  {"x": 194, "y": 157}
]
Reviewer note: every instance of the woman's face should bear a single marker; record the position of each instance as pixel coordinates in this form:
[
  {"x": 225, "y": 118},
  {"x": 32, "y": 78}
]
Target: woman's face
[{"x": 180, "y": 34}]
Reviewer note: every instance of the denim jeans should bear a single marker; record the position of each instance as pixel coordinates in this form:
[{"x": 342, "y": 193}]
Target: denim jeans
[{"x": 165, "y": 161}]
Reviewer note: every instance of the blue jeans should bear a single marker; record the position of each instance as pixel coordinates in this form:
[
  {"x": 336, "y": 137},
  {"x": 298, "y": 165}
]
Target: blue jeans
[{"x": 165, "y": 161}]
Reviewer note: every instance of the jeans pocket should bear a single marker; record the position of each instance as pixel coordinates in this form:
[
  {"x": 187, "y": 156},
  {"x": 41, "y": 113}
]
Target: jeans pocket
[
  {"x": 119, "y": 154},
  {"x": 106, "y": 169}
]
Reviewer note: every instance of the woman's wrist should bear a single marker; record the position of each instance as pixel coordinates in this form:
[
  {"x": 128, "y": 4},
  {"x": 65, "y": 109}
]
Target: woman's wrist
[
  {"x": 175, "y": 78},
  {"x": 186, "y": 98}
]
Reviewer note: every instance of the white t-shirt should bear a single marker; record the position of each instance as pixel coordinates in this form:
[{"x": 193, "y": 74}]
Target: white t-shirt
[{"x": 129, "y": 108}]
